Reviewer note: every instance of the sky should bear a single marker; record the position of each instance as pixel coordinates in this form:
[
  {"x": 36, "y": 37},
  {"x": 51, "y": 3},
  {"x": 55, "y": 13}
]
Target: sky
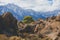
[{"x": 37, "y": 5}]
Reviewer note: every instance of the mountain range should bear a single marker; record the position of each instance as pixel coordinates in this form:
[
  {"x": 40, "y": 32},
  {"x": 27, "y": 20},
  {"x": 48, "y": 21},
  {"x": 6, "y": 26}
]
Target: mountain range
[{"x": 19, "y": 12}]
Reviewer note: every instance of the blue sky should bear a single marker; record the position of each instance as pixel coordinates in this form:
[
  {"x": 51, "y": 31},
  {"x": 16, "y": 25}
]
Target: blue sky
[{"x": 37, "y": 5}]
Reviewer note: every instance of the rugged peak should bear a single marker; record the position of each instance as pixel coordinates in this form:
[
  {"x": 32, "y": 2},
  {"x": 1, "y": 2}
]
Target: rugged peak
[
  {"x": 8, "y": 22},
  {"x": 6, "y": 14},
  {"x": 8, "y": 17}
]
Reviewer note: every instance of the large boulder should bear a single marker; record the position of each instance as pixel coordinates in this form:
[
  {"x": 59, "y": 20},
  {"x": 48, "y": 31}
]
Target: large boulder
[{"x": 10, "y": 24}]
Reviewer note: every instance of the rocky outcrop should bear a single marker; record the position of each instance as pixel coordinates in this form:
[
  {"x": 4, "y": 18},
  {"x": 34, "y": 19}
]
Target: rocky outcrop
[
  {"x": 49, "y": 27},
  {"x": 8, "y": 24}
]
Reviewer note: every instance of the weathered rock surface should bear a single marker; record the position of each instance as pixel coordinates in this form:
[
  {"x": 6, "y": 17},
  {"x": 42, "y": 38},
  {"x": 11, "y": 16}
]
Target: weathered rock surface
[
  {"x": 49, "y": 27},
  {"x": 8, "y": 24}
]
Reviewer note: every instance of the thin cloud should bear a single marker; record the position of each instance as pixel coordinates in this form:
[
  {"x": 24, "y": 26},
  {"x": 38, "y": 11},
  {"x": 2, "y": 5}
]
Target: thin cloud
[{"x": 37, "y": 5}]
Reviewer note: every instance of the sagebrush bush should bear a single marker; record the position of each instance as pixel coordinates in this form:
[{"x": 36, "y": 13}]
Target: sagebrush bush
[{"x": 28, "y": 19}]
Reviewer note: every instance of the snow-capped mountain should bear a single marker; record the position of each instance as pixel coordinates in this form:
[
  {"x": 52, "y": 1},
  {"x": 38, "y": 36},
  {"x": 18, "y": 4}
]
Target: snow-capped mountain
[{"x": 19, "y": 12}]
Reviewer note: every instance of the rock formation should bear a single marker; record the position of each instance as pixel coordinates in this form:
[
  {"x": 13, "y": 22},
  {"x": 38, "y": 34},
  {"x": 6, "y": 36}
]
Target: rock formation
[
  {"x": 49, "y": 27},
  {"x": 8, "y": 24}
]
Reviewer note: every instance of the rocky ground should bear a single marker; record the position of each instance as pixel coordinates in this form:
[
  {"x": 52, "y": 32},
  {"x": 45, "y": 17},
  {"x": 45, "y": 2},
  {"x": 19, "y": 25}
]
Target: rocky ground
[{"x": 48, "y": 29}]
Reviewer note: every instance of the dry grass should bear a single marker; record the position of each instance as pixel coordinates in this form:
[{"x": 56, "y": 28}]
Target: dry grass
[
  {"x": 3, "y": 37},
  {"x": 15, "y": 38}
]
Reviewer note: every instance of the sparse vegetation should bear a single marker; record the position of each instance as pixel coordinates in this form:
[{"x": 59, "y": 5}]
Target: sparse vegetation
[{"x": 27, "y": 19}]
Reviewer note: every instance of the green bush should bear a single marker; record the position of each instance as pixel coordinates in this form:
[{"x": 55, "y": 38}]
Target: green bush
[{"x": 27, "y": 19}]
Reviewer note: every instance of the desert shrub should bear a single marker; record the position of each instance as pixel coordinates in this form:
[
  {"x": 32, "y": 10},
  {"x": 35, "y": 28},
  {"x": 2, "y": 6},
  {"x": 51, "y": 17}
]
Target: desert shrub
[{"x": 27, "y": 19}]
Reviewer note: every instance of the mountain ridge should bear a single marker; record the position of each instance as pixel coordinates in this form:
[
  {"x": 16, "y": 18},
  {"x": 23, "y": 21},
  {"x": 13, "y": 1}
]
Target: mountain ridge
[{"x": 19, "y": 12}]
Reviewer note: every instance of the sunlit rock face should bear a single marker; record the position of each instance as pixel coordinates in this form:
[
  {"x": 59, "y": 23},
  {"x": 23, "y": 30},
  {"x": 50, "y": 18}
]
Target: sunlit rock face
[{"x": 49, "y": 27}]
